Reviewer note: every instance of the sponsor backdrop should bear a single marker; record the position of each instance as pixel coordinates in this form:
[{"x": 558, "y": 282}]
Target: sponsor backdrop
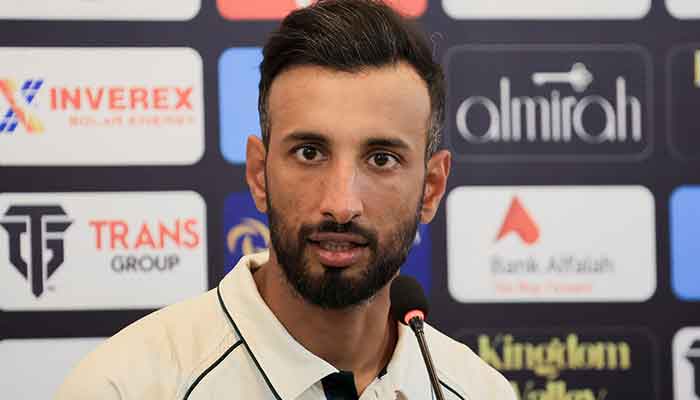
[{"x": 565, "y": 253}]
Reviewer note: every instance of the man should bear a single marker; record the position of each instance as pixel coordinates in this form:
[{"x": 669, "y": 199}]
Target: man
[{"x": 351, "y": 103}]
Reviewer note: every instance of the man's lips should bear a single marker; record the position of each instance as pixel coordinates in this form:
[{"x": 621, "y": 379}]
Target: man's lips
[
  {"x": 338, "y": 249},
  {"x": 350, "y": 238}
]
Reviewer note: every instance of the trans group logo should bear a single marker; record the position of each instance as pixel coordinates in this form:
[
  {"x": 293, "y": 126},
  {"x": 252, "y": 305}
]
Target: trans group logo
[
  {"x": 17, "y": 114},
  {"x": 101, "y": 250},
  {"x": 118, "y": 108},
  {"x": 570, "y": 364},
  {"x": 238, "y": 100},
  {"x": 510, "y": 103},
  {"x": 45, "y": 226},
  {"x": 278, "y": 9},
  {"x": 246, "y": 232},
  {"x": 686, "y": 364},
  {"x": 550, "y": 244}
]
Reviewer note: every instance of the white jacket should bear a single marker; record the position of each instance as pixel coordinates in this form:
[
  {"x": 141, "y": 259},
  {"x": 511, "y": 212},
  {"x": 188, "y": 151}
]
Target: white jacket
[{"x": 227, "y": 344}]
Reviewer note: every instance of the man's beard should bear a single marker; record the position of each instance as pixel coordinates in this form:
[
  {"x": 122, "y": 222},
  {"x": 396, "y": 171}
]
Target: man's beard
[{"x": 334, "y": 288}]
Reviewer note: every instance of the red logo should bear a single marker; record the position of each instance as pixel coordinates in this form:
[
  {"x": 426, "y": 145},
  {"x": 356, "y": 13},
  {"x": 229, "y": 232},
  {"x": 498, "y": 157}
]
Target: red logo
[
  {"x": 278, "y": 9},
  {"x": 518, "y": 220}
]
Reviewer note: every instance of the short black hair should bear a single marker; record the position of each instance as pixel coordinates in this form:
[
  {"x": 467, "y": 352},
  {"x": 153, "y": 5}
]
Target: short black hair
[{"x": 350, "y": 36}]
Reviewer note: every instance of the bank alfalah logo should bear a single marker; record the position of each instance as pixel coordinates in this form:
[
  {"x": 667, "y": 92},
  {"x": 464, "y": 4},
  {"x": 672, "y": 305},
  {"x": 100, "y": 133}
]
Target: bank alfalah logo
[
  {"x": 45, "y": 226},
  {"x": 519, "y": 221},
  {"x": 510, "y": 103},
  {"x": 18, "y": 114}
]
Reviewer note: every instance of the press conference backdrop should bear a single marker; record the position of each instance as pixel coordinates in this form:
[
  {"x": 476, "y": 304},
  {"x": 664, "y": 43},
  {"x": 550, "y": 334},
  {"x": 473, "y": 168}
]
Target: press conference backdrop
[{"x": 565, "y": 252}]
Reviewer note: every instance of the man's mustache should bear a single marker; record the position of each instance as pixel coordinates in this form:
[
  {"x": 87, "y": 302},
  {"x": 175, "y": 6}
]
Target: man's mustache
[{"x": 333, "y": 227}]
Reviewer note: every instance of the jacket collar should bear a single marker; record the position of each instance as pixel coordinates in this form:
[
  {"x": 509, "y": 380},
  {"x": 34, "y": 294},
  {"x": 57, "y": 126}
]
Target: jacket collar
[{"x": 292, "y": 369}]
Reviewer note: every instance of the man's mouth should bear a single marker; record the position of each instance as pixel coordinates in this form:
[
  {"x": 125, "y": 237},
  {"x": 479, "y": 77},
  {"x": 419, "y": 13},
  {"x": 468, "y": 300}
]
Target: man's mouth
[{"x": 338, "y": 249}]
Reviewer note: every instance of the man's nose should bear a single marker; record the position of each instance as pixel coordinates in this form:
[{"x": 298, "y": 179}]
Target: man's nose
[{"x": 340, "y": 197}]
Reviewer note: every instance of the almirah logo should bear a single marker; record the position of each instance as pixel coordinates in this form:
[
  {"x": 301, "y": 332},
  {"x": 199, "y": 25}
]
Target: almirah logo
[{"x": 548, "y": 103}]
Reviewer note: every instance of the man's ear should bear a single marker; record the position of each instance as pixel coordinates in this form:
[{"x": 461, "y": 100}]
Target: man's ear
[
  {"x": 255, "y": 171},
  {"x": 436, "y": 174}
]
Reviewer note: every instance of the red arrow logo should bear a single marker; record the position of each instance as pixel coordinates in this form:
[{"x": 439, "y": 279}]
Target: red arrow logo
[{"x": 518, "y": 220}]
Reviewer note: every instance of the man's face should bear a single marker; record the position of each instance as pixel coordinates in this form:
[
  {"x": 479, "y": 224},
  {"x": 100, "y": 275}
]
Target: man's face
[{"x": 344, "y": 178}]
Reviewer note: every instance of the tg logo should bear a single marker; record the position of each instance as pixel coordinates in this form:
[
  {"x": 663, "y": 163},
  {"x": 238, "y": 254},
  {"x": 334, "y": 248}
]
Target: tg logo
[{"x": 46, "y": 225}]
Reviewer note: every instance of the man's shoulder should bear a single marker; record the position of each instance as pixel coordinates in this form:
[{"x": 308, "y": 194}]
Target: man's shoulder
[
  {"x": 463, "y": 372},
  {"x": 165, "y": 348}
]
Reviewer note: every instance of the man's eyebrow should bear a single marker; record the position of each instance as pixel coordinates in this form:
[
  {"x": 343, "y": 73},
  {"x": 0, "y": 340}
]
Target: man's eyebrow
[
  {"x": 303, "y": 136},
  {"x": 396, "y": 143}
]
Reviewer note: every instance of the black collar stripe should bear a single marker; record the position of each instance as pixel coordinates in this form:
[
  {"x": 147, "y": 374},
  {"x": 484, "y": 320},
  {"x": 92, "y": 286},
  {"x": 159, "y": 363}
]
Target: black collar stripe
[
  {"x": 451, "y": 390},
  {"x": 210, "y": 368},
  {"x": 245, "y": 344}
]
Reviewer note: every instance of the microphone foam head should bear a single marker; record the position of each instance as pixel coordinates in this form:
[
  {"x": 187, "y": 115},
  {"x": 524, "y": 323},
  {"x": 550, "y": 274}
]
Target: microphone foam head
[{"x": 406, "y": 295}]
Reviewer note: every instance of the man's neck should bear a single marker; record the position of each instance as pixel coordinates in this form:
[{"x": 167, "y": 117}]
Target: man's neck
[{"x": 360, "y": 339}]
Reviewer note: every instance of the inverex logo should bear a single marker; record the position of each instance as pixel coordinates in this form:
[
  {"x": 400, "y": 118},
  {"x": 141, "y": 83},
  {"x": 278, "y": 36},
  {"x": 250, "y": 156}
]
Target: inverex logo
[
  {"x": 550, "y": 243},
  {"x": 239, "y": 77},
  {"x": 508, "y": 103},
  {"x": 547, "y": 9},
  {"x": 101, "y": 9},
  {"x": 246, "y": 232},
  {"x": 23, "y": 360},
  {"x": 278, "y": 9},
  {"x": 101, "y": 250},
  {"x": 101, "y": 106}
]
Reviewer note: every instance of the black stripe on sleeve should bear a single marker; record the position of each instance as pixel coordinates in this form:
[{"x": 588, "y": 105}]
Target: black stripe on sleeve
[
  {"x": 210, "y": 368},
  {"x": 450, "y": 389},
  {"x": 245, "y": 344}
]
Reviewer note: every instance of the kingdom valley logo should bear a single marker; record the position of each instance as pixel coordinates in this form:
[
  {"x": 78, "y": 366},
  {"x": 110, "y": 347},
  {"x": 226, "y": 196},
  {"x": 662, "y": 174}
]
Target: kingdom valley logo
[
  {"x": 548, "y": 103},
  {"x": 570, "y": 364},
  {"x": 549, "y": 243},
  {"x": 45, "y": 226},
  {"x": 101, "y": 250}
]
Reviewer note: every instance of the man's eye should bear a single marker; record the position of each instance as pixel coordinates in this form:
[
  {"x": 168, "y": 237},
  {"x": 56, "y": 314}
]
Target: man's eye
[
  {"x": 383, "y": 160},
  {"x": 308, "y": 153}
]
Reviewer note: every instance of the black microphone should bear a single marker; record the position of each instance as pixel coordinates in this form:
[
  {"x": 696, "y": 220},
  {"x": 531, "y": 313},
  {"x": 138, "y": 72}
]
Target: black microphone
[{"x": 409, "y": 306}]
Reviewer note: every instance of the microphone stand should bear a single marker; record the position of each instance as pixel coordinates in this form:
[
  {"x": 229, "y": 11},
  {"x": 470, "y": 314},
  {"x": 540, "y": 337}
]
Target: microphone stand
[{"x": 416, "y": 325}]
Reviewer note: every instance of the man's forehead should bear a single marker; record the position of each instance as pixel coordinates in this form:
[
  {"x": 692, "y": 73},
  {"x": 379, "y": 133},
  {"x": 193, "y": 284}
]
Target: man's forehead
[{"x": 389, "y": 101}]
